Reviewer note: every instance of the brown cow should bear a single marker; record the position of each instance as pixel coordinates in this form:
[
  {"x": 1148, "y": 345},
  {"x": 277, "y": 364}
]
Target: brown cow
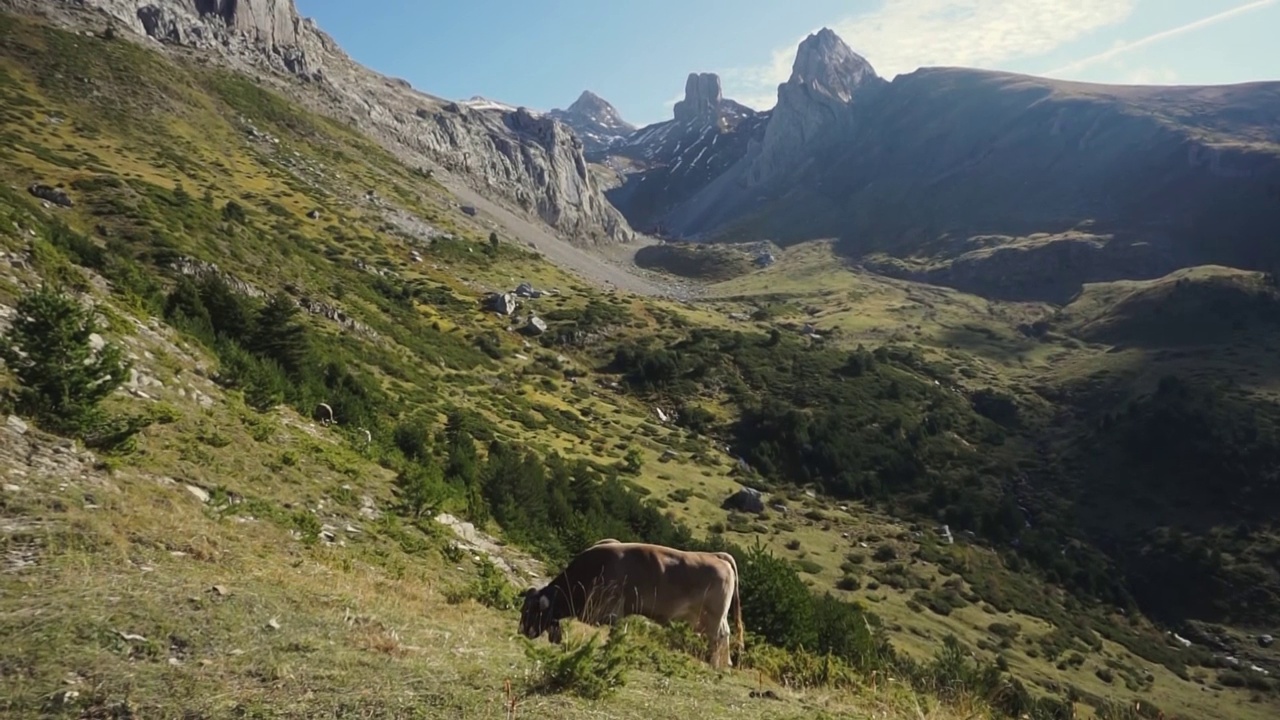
[{"x": 611, "y": 580}]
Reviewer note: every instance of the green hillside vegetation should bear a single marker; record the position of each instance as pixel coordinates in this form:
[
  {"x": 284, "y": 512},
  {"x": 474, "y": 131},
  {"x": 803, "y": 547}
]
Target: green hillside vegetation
[
  {"x": 214, "y": 550},
  {"x": 1209, "y": 305},
  {"x": 703, "y": 262}
]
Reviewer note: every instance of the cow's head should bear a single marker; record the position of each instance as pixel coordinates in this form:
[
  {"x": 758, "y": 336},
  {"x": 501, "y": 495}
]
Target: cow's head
[{"x": 536, "y": 616}]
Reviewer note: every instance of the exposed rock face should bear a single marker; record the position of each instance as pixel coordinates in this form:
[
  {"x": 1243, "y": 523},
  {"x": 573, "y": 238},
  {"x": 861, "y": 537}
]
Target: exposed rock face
[
  {"x": 813, "y": 105},
  {"x": 270, "y": 22},
  {"x": 597, "y": 123},
  {"x": 514, "y": 157}
]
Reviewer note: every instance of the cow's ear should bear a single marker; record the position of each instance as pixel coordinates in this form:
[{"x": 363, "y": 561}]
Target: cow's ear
[{"x": 544, "y": 602}]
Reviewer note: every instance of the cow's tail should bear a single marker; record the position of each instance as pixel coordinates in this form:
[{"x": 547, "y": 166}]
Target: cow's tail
[{"x": 735, "y": 605}]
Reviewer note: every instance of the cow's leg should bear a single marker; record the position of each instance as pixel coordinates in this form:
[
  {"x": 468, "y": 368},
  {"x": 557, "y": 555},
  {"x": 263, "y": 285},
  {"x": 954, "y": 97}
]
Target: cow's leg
[{"x": 723, "y": 635}]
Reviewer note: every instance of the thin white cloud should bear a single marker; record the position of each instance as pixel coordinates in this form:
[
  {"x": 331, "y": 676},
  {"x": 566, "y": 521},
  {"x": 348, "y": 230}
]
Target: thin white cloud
[
  {"x": 1149, "y": 76},
  {"x": 1129, "y": 47},
  {"x": 903, "y": 35}
]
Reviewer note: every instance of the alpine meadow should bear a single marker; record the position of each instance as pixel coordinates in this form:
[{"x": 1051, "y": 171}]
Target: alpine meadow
[{"x": 307, "y": 375}]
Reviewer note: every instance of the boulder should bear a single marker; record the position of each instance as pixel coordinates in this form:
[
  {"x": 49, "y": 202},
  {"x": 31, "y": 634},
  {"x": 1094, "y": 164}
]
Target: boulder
[
  {"x": 745, "y": 500},
  {"x": 501, "y": 303},
  {"x": 1266, "y": 641},
  {"x": 536, "y": 325},
  {"x": 57, "y": 196},
  {"x": 528, "y": 291}
]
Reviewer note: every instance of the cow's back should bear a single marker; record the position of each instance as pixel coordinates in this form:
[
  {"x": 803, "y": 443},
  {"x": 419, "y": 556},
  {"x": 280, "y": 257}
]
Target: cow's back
[{"x": 656, "y": 581}]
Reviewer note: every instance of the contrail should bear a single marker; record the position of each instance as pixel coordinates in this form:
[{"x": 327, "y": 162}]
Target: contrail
[{"x": 1163, "y": 35}]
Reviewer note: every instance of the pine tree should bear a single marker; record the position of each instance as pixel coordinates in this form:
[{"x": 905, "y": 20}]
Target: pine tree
[
  {"x": 184, "y": 308},
  {"x": 421, "y": 488},
  {"x": 279, "y": 334},
  {"x": 49, "y": 350}
]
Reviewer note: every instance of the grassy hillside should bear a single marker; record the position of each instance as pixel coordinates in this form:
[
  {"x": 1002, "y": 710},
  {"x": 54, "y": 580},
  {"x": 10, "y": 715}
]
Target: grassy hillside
[{"x": 206, "y": 548}]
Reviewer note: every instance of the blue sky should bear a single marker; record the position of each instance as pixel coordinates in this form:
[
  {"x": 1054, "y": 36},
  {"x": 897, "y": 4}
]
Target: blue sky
[{"x": 637, "y": 53}]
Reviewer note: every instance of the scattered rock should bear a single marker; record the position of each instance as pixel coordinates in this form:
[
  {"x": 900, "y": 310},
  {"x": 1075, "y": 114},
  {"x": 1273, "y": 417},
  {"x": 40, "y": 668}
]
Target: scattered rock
[
  {"x": 274, "y": 624},
  {"x": 745, "y": 500},
  {"x": 501, "y": 303},
  {"x": 219, "y": 590},
  {"x": 314, "y": 214},
  {"x": 524, "y": 289},
  {"x": 469, "y": 210},
  {"x": 536, "y": 325},
  {"x": 16, "y": 425},
  {"x": 57, "y": 196},
  {"x": 199, "y": 493},
  {"x": 1266, "y": 641}
]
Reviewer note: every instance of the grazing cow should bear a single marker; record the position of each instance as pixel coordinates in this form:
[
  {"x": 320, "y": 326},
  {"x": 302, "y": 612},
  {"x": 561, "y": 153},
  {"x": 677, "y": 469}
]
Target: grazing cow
[
  {"x": 323, "y": 413},
  {"x": 611, "y": 580}
]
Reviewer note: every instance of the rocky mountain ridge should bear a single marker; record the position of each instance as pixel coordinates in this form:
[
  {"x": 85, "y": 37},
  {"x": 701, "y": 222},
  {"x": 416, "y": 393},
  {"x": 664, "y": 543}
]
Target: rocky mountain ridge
[
  {"x": 663, "y": 163},
  {"x": 595, "y": 121},
  {"x": 967, "y": 177},
  {"x": 529, "y": 162}
]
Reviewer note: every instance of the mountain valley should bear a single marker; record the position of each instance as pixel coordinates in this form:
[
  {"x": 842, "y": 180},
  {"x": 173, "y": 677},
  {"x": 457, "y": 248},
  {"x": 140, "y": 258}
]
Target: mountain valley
[{"x": 972, "y": 372}]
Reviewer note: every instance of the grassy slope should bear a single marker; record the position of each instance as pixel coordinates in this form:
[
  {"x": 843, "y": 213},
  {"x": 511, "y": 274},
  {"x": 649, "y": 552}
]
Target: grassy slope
[
  {"x": 380, "y": 605},
  {"x": 985, "y": 339}
]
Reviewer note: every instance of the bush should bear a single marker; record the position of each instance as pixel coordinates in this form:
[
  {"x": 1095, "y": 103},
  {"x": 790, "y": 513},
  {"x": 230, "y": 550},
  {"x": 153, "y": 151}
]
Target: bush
[
  {"x": 849, "y": 583},
  {"x": 885, "y": 553},
  {"x": 586, "y": 669},
  {"x": 489, "y": 588}
]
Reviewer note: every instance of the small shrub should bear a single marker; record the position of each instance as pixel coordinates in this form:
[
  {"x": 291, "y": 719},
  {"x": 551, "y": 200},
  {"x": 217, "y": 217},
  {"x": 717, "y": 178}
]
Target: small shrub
[
  {"x": 587, "y": 669},
  {"x": 849, "y": 583},
  {"x": 885, "y": 553},
  {"x": 492, "y": 589}
]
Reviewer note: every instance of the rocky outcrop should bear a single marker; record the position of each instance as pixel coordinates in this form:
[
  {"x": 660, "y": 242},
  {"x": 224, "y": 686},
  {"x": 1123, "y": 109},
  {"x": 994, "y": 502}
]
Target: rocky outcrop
[
  {"x": 813, "y": 105},
  {"x": 702, "y": 99},
  {"x": 57, "y": 196},
  {"x": 597, "y": 123},
  {"x": 515, "y": 157}
]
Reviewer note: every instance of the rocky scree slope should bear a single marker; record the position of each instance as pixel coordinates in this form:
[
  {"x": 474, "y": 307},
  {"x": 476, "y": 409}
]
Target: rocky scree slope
[
  {"x": 527, "y": 161},
  {"x": 993, "y": 182}
]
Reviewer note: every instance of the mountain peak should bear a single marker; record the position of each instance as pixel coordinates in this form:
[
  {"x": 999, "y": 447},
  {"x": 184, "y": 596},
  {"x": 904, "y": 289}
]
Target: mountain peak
[
  {"x": 825, "y": 63},
  {"x": 595, "y": 121},
  {"x": 591, "y": 103}
]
